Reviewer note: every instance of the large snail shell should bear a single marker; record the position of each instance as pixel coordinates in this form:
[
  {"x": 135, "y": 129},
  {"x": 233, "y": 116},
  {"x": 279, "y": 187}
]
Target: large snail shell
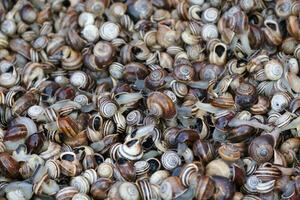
[
  {"x": 100, "y": 188},
  {"x": 158, "y": 176},
  {"x": 261, "y": 148},
  {"x": 9, "y": 167},
  {"x": 156, "y": 79},
  {"x": 161, "y": 105}
]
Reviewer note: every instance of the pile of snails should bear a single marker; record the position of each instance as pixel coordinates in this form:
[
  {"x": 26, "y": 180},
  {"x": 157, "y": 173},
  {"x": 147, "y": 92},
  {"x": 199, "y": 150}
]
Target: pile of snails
[{"x": 149, "y": 99}]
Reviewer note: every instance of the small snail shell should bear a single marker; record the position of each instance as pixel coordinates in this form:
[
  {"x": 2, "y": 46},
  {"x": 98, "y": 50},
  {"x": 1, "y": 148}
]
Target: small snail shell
[
  {"x": 109, "y": 31},
  {"x": 245, "y": 95},
  {"x": 184, "y": 72},
  {"x": 179, "y": 89},
  {"x": 8, "y": 27},
  {"x": 141, "y": 167},
  {"x": 205, "y": 188},
  {"x": 280, "y": 101},
  {"x": 81, "y": 183},
  {"x": 158, "y": 176},
  {"x": 81, "y": 196},
  {"x": 86, "y": 18},
  {"x": 104, "y": 54},
  {"x": 131, "y": 150},
  {"x": 53, "y": 169},
  {"x": 129, "y": 191},
  {"x": 261, "y": 148},
  {"x": 209, "y": 31},
  {"x": 68, "y": 126},
  {"x": 210, "y": 15},
  {"x": 273, "y": 70},
  {"x": 170, "y": 160},
  {"x": 9, "y": 167},
  {"x": 171, "y": 188},
  {"x": 105, "y": 170},
  {"x": 107, "y": 108},
  {"x": 66, "y": 193},
  {"x": 161, "y": 105},
  {"x": 116, "y": 70},
  {"x": 90, "y": 33},
  {"x": 229, "y": 153},
  {"x": 90, "y": 175},
  {"x": 28, "y": 14},
  {"x": 218, "y": 168}
]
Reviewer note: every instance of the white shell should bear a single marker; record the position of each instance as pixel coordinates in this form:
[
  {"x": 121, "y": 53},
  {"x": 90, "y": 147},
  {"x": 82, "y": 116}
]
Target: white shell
[
  {"x": 209, "y": 31},
  {"x": 7, "y": 80},
  {"x": 90, "y": 33},
  {"x": 90, "y": 175},
  {"x": 105, "y": 170},
  {"x": 109, "y": 31},
  {"x": 280, "y": 101},
  {"x": 78, "y": 79},
  {"x": 81, "y": 183},
  {"x": 81, "y": 99},
  {"x": 81, "y": 196},
  {"x": 158, "y": 177},
  {"x": 210, "y": 15},
  {"x": 15, "y": 194},
  {"x": 85, "y": 19},
  {"x": 116, "y": 70},
  {"x": 53, "y": 169},
  {"x": 273, "y": 70},
  {"x": 170, "y": 160},
  {"x": 35, "y": 111},
  {"x": 129, "y": 191}
]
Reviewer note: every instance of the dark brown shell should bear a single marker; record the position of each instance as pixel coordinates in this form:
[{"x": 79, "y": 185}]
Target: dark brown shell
[
  {"x": 161, "y": 105},
  {"x": 135, "y": 71},
  {"x": 261, "y": 148},
  {"x": 9, "y": 167},
  {"x": 246, "y": 95}
]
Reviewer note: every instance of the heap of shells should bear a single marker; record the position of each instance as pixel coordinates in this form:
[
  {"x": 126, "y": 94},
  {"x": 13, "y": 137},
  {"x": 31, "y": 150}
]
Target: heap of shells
[{"x": 149, "y": 99}]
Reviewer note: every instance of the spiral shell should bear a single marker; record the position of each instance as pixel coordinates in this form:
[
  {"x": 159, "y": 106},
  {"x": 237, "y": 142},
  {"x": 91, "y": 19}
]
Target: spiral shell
[
  {"x": 90, "y": 175},
  {"x": 66, "y": 193},
  {"x": 170, "y": 160},
  {"x": 81, "y": 184},
  {"x": 105, "y": 170},
  {"x": 109, "y": 31},
  {"x": 131, "y": 150},
  {"x": 81, "y": 196},
  {"x": 53, "y": 169},
  {"x": 128, "y": 191},
  {"x": 107, "y": 108}
]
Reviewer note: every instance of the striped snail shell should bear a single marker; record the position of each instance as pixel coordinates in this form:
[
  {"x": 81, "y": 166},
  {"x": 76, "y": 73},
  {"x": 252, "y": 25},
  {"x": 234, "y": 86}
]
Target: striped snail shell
[
  {"x": 36, "y": 111},
  {"x": 134, "y": 117},
  {"x": 131, "y": 150},
  {"x": 141, "y": 167},
  {"x": 145, "y": 189},
  {"x": 81, "y": 183},
  {"x": 179, "y": 89},
  {"x": 66, "y": 193},
  {"x": 53, "y": 169},
  {"x": 90, "y": 175},
  {"x": 170, "y": 160},
  {"x": 81, "y": 196},
  {"x": 107, "y": 108}
]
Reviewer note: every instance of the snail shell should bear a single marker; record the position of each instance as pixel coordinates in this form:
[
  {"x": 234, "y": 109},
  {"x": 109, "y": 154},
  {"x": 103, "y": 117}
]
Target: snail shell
[
  {"x": 81, "y": 183},
  {"x": 141, "y": 167},
  {"x": 131, "y": 150},
  {"x": 170, "y": 160},
  {"x": 158, "y": 176},
  {"x": 107, "y": 108},
  {"x": 209, "y": 31},
  {"x": 105, "y": 170},
  {"x": 90, "y": 175},
  {"x": 280, "y": 101},
  {"x": 81, "y": 196},
  {"x": 145, "y": 189},
  {"x": 261, "y": 148},
  {"x": 171, "y": 188},
  {"x": 273, "y": 70},
  {"x": 129, "y": 191},
  {"x": 218, "y": 168},
  {"x": 66, "y": 193},
  {"x": 109, "y": 31},
  {"x": 210, "y": 15},
  {"x": 53, "y": 169},
  {"x": 161, "y": 105}
]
